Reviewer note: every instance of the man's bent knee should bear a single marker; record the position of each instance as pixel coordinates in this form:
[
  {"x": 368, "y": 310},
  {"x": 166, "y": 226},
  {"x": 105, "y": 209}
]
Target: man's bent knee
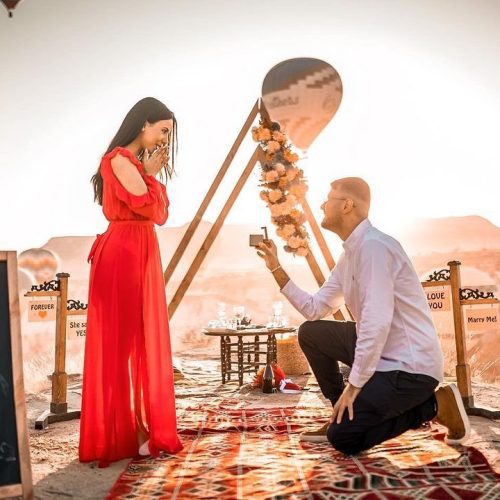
[
  {"x": 341, "y": 440},
  {"x": 306, "y": 330}
]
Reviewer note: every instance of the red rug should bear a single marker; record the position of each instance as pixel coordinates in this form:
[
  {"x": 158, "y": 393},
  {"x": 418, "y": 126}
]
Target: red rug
[{"x": 256, "y": 454}]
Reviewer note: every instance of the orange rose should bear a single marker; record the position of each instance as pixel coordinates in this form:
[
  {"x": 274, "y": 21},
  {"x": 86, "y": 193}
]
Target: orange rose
[
  {"x": 271, "y": 176},
  {"x": 286, "y": 208},
  {"x": 291, "y": 173},
  {"x": 276, "y": 210},
  {"x": 275, "y": 195},
  {"x": 264, "y": 134},
  {"x": 291, "y": 157},
  {"x": 294, "y": 242},
  {"x": 288, "y": 230},
  {"x": 273, "y": 146},
  {"x": 302, "y": 251},
  {"x": 280, "y": 168},
  {"x": 281, "y": 233},
  {"x": 302, "y": 232},
  {"x": 278, "y": 136},
  {"x": 298, "y": 190}
]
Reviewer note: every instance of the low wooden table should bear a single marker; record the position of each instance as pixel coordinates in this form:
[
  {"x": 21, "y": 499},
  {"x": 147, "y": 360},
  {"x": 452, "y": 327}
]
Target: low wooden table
[{"x": 245, "y": 345}]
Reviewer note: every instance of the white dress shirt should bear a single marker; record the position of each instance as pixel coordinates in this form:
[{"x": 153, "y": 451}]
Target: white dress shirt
[{"x": 376, "y": 280}]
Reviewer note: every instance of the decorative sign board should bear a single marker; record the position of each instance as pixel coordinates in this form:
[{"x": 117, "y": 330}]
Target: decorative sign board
[
  {"x": 42, "y": 310},
  {"x": 438, "y": 298},
  {"x": 15, "y": 468},
  {"x": 76, "y": 326},
  {"x": 481, "y": 318}
]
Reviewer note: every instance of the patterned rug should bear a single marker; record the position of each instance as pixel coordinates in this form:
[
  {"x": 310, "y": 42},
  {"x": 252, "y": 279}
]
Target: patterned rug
[{"x": 235, "y": 453}]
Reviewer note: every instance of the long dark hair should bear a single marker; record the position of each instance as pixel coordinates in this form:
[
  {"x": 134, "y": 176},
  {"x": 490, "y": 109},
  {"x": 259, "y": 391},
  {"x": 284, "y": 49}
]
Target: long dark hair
[{"x": 149, "y": 110}]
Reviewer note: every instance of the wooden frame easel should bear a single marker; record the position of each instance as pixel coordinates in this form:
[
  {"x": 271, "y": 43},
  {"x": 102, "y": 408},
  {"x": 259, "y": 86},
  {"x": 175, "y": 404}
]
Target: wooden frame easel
[
  {"x": 257, "y": 155},
  {"x": 25, "y": 488}
]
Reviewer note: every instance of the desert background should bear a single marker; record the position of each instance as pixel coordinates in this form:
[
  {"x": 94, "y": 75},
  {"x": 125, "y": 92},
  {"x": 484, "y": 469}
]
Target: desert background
[{"x": 232, "y": 273}]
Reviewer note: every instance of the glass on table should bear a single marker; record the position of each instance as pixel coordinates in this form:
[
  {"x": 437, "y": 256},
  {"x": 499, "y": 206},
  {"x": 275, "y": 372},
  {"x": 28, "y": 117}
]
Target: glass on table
[
  {"x": 276, "y": 320},
  {"x": 238, "y": 313},
  {"x": 221, "y": 313}
]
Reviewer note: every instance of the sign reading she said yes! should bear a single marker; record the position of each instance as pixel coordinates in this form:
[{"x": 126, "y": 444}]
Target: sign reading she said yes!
[
  {"x": 42, "y": 310},
  {"x": 438, "y": 298},
  {"x": 76, "y": 327}
]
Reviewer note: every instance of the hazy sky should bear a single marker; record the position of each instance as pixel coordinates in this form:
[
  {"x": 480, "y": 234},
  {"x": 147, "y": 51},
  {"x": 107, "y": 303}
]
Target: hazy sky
[{"x": 419, "y": 120}]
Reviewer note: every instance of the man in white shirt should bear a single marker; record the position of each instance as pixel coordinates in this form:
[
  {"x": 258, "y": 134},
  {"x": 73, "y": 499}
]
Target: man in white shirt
[{"x": 392, "y": 348}]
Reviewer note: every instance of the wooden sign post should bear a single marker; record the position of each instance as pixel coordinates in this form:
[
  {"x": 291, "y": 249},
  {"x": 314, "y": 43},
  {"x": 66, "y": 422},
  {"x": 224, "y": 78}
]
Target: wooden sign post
[
  {"x": 459, "y": 297},
  {"x": 58, "y": 406},
  {"x": 15, "y": 464},
  {"x": 257, "y": 155}
]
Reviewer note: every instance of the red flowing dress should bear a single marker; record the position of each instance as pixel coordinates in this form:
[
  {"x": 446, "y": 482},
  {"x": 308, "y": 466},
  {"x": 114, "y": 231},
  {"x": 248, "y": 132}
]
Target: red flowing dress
[{"x": 128, "y": 375}]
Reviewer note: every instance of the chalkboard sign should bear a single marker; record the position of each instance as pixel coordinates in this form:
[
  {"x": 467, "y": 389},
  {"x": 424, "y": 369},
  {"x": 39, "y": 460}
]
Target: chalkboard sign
[{"x": 15, "y": 470}]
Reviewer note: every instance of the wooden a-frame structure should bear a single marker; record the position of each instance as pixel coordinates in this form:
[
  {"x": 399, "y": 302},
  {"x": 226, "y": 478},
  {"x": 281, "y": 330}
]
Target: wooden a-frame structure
[{"x": 257, "y": 155}]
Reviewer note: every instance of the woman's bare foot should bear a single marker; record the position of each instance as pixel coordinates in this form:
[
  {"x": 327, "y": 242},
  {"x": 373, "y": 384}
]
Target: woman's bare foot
[{"x": 144, "y": 449}]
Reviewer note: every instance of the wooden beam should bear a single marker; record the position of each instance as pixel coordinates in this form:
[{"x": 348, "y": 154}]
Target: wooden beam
[
  {"x": 17, "y": 377},
  {"x": 214, "y": 231},
  {"x": 264, "y": 113},
  {"x": 48, "y": 293},
  {"x": 463, "y": 368},
  {"x": 59, "y": 377},
  {"x": 78, "y": 312},
  {"x": 320, "y": 279},
  {"x": 318, "y": 235},
  {"x": 471, "y": 302},
  {"x": 12, "y": 490},
  {"x": 427, "y": 284},
  {"x": 188, "y": 235},
  {"x": 314, "y": 266}
]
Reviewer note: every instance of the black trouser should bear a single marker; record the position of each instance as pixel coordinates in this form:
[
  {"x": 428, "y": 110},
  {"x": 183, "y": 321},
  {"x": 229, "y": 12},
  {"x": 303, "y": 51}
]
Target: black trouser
[{"x": 389, "y": 404}]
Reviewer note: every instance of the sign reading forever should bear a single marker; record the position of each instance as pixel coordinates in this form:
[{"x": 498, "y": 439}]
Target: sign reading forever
[
  {"x": 42, "y": 310},
  {"x": 15, "y": 469},
  {"x": 438, "y": 298}
]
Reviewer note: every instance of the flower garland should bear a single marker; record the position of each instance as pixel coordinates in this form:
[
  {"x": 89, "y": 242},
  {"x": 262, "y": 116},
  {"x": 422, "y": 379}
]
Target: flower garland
[{"x": 284, "y": 186}]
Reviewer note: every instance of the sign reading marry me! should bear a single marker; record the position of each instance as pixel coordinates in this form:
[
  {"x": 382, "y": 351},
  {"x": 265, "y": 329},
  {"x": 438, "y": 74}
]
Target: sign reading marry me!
[
  {"x": 438, "y": 298},
  {"x": 42, "y": 310},
  {"x": 479, "y": 319}
]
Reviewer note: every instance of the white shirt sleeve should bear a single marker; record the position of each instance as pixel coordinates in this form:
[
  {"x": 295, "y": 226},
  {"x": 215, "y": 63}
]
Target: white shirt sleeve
[
  {"x": 376, "y": 294},
  {"x": 326, "y": 300}
]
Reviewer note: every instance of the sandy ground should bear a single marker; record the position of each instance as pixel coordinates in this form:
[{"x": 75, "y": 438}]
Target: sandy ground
[{"x": 57, "y": 474}]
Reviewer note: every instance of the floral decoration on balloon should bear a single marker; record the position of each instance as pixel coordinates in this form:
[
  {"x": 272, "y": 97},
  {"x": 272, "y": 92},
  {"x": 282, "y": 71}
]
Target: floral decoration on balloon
[{"x": 284, "y": 185}]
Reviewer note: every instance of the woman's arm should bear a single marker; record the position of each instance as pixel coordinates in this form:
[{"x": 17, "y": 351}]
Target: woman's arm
[{"x": 128, "y": 175}]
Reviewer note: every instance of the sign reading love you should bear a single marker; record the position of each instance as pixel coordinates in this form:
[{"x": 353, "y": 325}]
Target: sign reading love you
[{"x": 42, "y": 310}]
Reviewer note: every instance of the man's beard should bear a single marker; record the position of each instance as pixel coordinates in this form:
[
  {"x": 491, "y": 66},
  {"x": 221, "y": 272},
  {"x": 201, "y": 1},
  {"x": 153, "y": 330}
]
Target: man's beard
[
  {"x": 330, "y": 223},
  {"x": 326, "y": 223}
]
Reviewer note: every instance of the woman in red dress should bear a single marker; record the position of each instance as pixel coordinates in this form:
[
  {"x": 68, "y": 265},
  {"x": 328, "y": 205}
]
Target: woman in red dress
[{"x": 128, "y": 401}]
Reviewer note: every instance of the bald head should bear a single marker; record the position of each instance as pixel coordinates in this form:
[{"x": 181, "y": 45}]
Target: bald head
[{"x": 357, "y": 190}]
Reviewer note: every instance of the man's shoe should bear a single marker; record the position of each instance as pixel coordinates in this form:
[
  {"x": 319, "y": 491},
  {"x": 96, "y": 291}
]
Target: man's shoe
[
  {"x": 451, "y": 413},
  {"x": 317, "y": 436}
]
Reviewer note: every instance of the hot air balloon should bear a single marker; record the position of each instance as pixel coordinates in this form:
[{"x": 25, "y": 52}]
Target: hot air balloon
[
  {"x": 41, "y": 263},
  {"x": 10, "y": 5},
  {"x": 303, "y": 95}
]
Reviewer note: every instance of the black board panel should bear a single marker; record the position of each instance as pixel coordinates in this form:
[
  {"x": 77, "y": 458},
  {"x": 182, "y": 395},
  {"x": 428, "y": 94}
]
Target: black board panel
[{"x": 10, "y": 472}]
